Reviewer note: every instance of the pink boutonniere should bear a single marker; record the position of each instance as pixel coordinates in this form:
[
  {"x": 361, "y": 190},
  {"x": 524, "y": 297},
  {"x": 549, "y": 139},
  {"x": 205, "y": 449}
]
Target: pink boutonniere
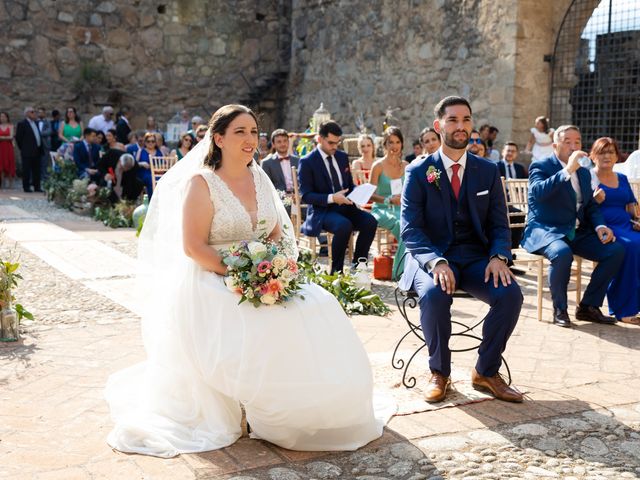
[{"x": 433, "y": 175}]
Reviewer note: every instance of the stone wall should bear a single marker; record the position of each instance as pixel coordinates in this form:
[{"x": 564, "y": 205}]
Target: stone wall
[
  {"x": 404, "y": 55},
  {"x": 155, "y": 56}
]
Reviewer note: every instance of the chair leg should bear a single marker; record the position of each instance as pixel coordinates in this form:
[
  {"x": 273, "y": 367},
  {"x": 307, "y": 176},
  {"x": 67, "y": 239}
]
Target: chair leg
[
  {"x": 312, "y": 246},
  {"x": 540, "y": 286},
  {"x": 578, "y": 280}
]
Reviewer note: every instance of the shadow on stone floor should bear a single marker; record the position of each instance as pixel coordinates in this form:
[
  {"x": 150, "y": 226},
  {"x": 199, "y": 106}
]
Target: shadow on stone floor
[{"x": 627, "y": 336}]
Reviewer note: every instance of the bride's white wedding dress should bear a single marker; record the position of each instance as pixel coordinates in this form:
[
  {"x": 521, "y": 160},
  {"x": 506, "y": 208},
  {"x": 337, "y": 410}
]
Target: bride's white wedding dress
[{"x": 299, "y": 369}]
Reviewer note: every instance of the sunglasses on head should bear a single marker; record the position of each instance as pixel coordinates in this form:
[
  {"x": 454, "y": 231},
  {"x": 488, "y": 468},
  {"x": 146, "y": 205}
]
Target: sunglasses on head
[{"x": 475, "y": 140}]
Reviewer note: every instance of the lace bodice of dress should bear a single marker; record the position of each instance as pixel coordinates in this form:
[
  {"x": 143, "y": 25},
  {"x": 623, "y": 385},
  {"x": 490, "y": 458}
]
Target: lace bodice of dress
[{"x": 231, "y": 221}]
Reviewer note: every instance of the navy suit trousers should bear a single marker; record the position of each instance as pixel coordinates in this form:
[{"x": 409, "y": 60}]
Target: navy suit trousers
[
  {"x": 468, "y": 263},
  {"x": 587, "y": 245}
]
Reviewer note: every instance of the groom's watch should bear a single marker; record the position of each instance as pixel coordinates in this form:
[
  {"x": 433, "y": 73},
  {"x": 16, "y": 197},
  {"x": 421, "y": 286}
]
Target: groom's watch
[{"x": 501, "y": 257}]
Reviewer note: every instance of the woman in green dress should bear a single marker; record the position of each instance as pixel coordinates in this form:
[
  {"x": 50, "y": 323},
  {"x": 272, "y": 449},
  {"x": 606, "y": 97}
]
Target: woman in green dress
[
  {"x": 184, "y": 145},
  {"x": 71, "y": 129},
  {"x": 388, "y": 175}
]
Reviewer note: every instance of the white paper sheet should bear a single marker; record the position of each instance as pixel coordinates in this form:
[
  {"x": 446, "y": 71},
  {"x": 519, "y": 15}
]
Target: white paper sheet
[
  {"x": 362, "y": 193},
  {"x": 396, "y": 186}
]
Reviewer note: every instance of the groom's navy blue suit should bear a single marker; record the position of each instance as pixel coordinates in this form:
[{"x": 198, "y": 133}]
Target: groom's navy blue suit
[
  {"x": 315, "y": 187},
  {"x": 466, "y": 232},
  {"x": 551, "y": 231}
]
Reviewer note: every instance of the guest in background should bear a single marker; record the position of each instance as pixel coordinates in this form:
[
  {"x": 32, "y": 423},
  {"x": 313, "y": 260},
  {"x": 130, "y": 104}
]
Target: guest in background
[
  {"x": 185, "y": 143},
  {"x": 86, "y": 154},
  {"x": 200, "y": 132},
  {"x": 325, "y": 181},
  {"x": 152, "y": 125},
  {"x": 278, "y": 165},
  {"x": 55, "y": 128},
  {"x": 126, "y": 185},
  {"x": 101, "y": 139},
  {"x": 30, "y": 145},
  {"x": 508, "y": 166},
  {"x": 540, "y": 142},
  {"x": 123, "y": 128},
  {"x": 430, "y": 141},
  {"x": 417, "y": 151},
  {"x": 160, "y": 144},
  {"x": 104, "y": 121},
  {"x": 619, "y": 207},
  {"x": 71, "y": 129},
  {"x": 361, "y": 167},
  {"x": 44, "y": 125},
  {"x": 138, "y": 142},
  {"x": 388, "y": 175},
  {"x": 263, "y": 147},
  {"x": 112, "y": 141},
  {"x": 476, "y": 144},
  {"x": 143, "y": 159},
  {"x": 492, "y": 153},
  {"x": 509, "y": 169},
  {"x": 196, "y": 122},
  {"x": 564, "y": 220},
  {"x": 7, "y": 155}
]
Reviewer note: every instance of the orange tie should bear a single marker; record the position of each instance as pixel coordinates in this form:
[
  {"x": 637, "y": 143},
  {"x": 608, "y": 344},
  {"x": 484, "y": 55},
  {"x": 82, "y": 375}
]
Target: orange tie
[{"x": 455, "y": 180}]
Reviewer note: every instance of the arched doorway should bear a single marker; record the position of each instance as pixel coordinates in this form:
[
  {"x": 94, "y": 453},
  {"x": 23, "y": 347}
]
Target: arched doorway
[{"x": 595, "y": 80}]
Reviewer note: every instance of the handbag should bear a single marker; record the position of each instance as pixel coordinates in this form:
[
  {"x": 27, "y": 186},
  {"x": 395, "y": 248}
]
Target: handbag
[{"x": 382, "y": 266}]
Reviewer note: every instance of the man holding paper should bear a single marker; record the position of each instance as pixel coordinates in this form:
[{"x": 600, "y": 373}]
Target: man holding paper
[
  {"x": 325, "y": 181},
  {"x": 388, "y": 175},
  {"x": 454, "y": 225}
]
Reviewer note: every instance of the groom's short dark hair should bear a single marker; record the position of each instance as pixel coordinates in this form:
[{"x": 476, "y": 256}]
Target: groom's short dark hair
[
  {"x": 330, "y": 127},
  {"x": 442, "y": 105}
]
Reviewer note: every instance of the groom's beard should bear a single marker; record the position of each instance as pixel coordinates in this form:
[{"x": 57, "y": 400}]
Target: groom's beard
[{"x": 457, "y": 144}]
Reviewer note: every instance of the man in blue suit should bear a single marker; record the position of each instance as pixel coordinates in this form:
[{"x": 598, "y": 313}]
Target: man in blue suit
[
  {"x": 454, "y": 225},
  {"x": 325, "y": 181},
  {"x": 86, "y": 155},
  {"x": 564, "y": 219}
]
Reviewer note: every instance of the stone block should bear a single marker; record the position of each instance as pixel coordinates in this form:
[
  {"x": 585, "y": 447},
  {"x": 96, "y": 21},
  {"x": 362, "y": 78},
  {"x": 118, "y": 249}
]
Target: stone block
[
  {"x": 151, "y": 38},
  {"x": 5, "y": 70},
  {"x": 106, "y": 7},
  {"x": 119, "y": 38},
  {"x": 65, "y": 17},
  {"x": 130, "y": 16},
  {"x": 218, "y": 47},
  {"x": 95, "y": 20}
]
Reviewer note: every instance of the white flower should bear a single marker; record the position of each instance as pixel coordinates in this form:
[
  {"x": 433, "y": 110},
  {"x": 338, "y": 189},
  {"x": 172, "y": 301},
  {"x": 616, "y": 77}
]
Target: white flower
[
  {"x": 256, "y": 248},
  {"x": 230, "y": 283},
  {"x": 286, "y": 275},
  {"x": 268, "y": 299},
  {"x": 279, "y": 262}
]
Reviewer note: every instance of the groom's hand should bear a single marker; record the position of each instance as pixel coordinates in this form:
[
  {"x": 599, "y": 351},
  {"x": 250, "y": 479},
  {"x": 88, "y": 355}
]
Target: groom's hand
[
  {"x": 341, "y": 199},
  {"x": 443, "y": 276},
  {"x": 500, "y": 272}
]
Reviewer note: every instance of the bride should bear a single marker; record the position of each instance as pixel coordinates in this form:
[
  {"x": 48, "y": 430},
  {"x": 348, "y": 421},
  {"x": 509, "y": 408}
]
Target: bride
[{"x": 298, "y": 368}]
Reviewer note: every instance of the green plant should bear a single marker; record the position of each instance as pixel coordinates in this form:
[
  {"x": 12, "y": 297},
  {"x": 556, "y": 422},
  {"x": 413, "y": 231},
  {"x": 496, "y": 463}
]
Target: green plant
[
  {"x": 117, "y": 216},
  {"x": 353, "y": 299},
  {"x": 9, "y": 277},
  {"x": 90, "y": 76},
  {"x": 60, "y": 182}
]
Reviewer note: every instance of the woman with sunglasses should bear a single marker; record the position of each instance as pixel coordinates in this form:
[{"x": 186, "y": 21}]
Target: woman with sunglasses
[
  {"x": 71, "y": 129},
  {"x": 184, "y": 145},
  {"x": 619, "y": 207},
  {"x": 143, "y": 158}
]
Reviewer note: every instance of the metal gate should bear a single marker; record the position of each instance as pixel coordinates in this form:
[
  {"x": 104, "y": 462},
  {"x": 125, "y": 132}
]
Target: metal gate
[{"x": 595, "y": 81}]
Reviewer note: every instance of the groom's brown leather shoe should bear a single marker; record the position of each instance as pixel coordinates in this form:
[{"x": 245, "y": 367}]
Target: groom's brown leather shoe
[
  {"x": 437, "y": 387},
  {"x": 496, "y": 386}
]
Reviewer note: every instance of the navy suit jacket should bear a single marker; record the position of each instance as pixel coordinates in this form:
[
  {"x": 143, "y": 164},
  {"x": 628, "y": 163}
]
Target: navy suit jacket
[
  {"x": 521, "y": 172},
  {"x": 83, "y": 159},
  {"x": 315, "y": 187},
  {"x": 552, "y": 204},
  {"x": 426, "y": 217}
]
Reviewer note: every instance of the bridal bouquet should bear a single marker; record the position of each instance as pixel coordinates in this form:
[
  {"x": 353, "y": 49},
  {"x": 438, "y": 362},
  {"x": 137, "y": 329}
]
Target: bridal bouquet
[{"x": 261, "y": 272}]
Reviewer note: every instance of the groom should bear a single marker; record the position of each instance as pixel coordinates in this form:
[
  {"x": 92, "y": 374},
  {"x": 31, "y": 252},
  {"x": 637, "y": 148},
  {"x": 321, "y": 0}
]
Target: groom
[{"x": 454, "y": 224}]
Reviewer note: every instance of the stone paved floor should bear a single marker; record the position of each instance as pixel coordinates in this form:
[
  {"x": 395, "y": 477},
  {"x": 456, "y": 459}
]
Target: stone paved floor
[{"x": 581, "y": 419}]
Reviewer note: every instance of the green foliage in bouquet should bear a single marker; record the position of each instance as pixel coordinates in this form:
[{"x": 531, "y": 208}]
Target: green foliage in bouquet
[{"x": 353, "y": 299}]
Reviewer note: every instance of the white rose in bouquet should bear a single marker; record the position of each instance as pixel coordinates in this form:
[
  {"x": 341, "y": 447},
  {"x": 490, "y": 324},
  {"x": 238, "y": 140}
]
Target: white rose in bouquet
[
  {"x": 256, "y": 248},
  {"x": 268, "y": 299},
  {"x": 231, "y": 284},
  {"x": 279, "y": 262}
]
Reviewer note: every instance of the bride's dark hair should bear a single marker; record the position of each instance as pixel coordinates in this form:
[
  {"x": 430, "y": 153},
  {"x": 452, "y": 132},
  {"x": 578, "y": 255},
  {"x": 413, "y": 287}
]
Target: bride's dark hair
[{"x": 218, "y": 124}]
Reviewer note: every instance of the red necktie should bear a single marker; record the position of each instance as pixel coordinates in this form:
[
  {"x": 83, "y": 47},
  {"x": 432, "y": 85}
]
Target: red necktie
[
  {"x": 283, "y": 158},
  {"x": 455, "y": 180}
]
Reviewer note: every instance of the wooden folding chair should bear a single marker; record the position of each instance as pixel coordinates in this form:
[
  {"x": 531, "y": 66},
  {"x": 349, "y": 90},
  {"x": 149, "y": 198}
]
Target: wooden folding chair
[{"x": 160, "y": 166}]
